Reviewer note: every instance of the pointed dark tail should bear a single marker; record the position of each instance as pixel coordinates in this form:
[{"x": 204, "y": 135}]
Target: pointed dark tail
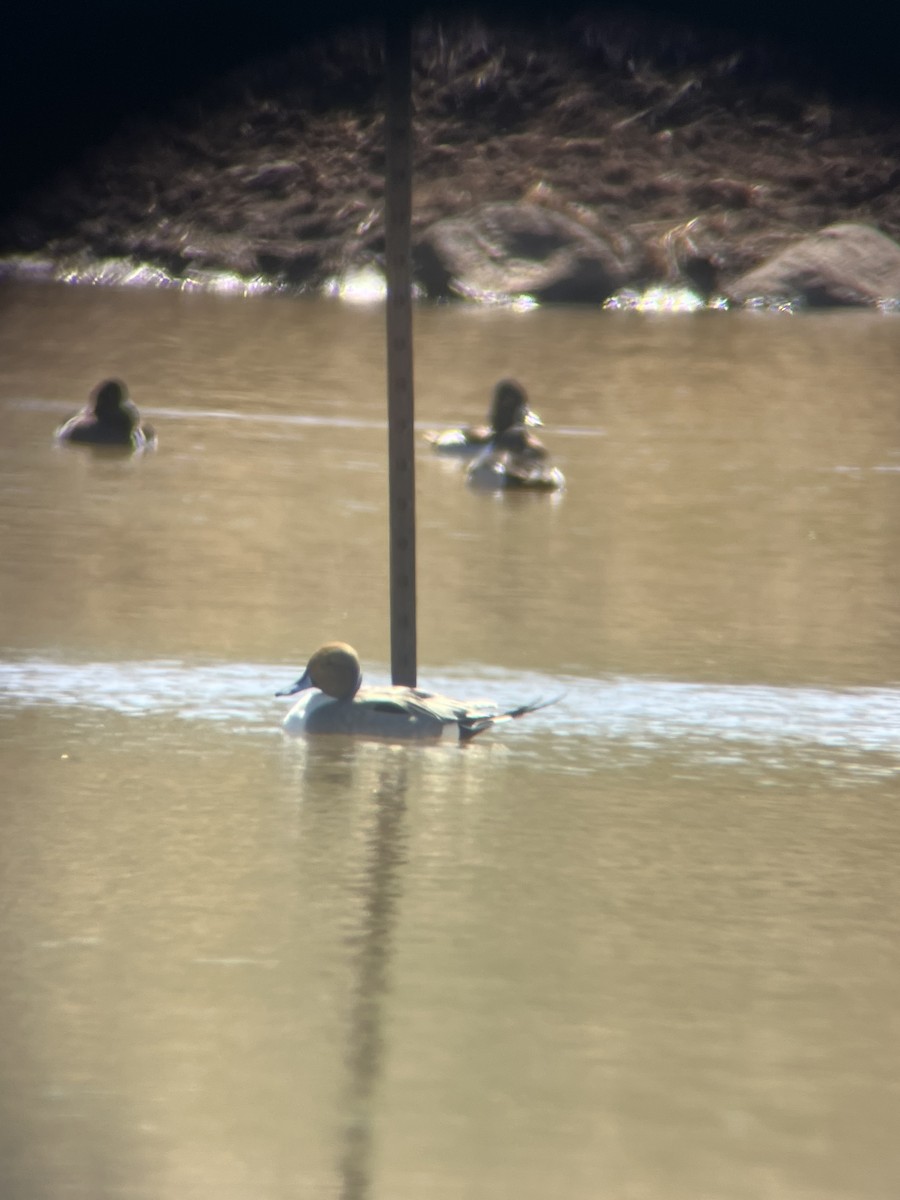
[{"x": 472, "y": 728}]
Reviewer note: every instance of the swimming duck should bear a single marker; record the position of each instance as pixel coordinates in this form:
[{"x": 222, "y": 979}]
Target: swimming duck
[
  {"x": 337, "y": 703},
  {"x": 515, "y": 459},
  {"x": 509, "y": 407},
  {"x": 110, "y": 419}
]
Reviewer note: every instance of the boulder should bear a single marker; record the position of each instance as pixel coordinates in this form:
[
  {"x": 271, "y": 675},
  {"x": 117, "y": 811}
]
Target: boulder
[
  {"x": 509, "y": 249},
  {"x": 842, "y": 264}
]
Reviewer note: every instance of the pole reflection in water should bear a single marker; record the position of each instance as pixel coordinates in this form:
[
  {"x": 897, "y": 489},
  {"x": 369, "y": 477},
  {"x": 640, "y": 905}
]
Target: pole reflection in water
[{"x": 380, "y": 884}]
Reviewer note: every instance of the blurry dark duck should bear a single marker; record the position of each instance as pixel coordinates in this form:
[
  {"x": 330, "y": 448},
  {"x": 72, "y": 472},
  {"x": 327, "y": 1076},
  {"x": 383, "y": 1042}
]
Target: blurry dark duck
[
  {"x": 515, "y": 459},
  {"x": 109, "y": 419},
  {"x": 509, "y": 407}
]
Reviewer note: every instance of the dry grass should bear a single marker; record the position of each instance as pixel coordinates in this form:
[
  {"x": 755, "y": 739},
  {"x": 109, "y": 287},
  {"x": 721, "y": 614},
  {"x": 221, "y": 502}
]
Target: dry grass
[{"x": 642, "y": 128}]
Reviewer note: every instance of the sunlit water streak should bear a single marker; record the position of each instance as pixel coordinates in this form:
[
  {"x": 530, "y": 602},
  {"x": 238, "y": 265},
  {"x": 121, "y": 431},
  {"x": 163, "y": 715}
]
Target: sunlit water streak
[
  {"x": 312, "y": 420},
  {"x": 646, "y": 713},
  {"x": 359, "y": 286}
]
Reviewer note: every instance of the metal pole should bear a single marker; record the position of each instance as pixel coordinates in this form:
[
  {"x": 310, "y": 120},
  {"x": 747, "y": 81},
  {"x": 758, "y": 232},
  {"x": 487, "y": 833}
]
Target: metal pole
[{"x": 401, "y": 467}]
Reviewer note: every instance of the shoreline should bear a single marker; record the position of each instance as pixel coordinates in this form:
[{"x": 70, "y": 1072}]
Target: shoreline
[{"x": 694, "y": 158}]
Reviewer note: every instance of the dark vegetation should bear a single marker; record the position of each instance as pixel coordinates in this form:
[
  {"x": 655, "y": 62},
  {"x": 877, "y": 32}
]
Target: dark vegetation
[{"x": 660, "y": 134}]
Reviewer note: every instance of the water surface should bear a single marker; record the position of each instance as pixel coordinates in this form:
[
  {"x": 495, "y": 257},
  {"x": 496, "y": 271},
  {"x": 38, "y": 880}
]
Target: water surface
[{"x": 640, "y": 944}]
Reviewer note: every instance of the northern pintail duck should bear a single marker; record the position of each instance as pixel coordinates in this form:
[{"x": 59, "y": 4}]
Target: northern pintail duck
[
  {"x": 338, "y": 703},
  {"x": 515, "y": 459},
  {"x": 509, "y": 407},
  {"x": 110, "y": 419}
]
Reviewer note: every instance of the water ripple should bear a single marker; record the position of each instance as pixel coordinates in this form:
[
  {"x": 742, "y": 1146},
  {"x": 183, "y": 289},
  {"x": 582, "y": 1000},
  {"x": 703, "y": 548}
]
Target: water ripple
[{"x": 643, "y": 712}]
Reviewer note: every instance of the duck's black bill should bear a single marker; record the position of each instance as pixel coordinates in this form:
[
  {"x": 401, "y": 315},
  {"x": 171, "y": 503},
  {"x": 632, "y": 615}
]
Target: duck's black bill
[{"x": 300, "y": 686}]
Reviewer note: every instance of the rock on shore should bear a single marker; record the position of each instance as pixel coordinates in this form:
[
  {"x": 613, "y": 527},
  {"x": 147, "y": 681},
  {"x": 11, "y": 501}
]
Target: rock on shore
[
  {"x": 843, "y": 264},
  {"x": 517, "y": 249}
]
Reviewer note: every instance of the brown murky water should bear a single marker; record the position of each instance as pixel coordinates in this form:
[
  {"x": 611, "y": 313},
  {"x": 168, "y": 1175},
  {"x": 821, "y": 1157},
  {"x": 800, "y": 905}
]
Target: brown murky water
[{"x": 641, "y": 945}]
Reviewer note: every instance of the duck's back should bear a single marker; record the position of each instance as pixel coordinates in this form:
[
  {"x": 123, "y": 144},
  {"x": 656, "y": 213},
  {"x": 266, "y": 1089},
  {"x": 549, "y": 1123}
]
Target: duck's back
[
  {"x": 515, "y": 459},
  {"x": 395, "y": 714},
  {"x": 467, "y": 441},
  {"x": 85, "y": 427}
]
